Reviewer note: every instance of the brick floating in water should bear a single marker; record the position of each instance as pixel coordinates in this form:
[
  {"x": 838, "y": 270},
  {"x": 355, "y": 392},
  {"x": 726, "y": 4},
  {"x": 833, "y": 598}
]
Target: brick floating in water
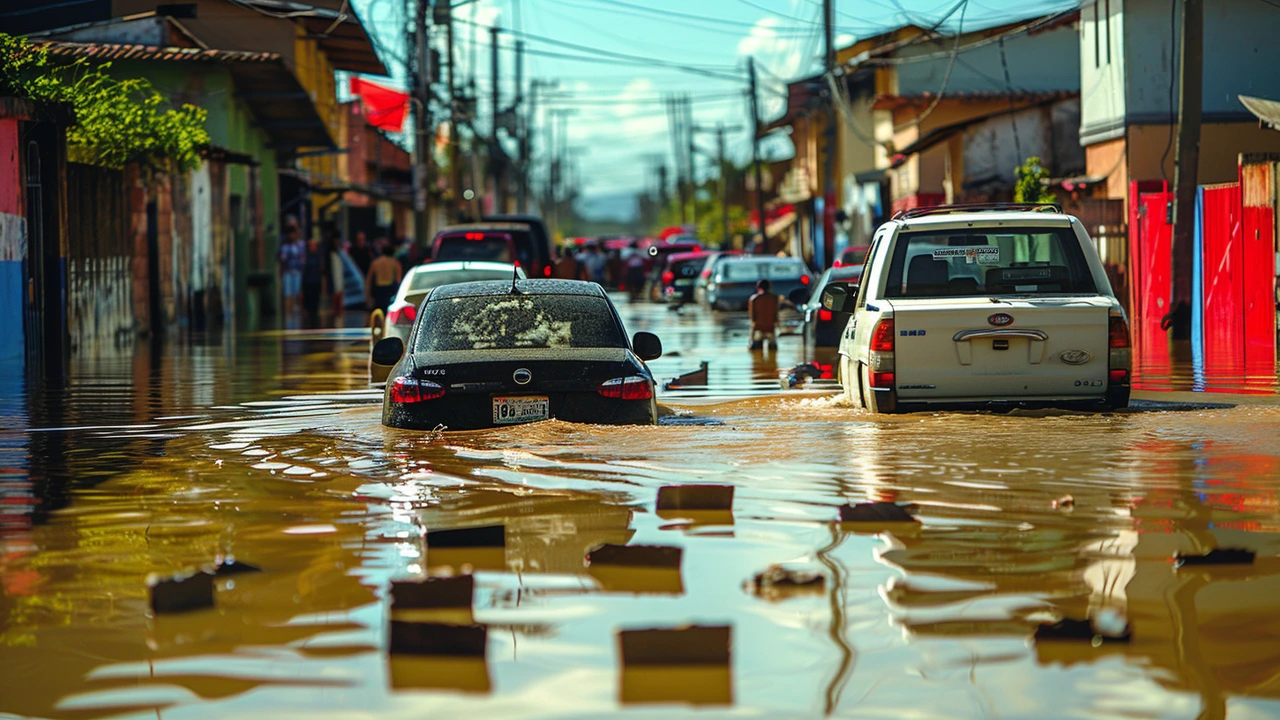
[
  {"x": 181, "y": 593},
  {"x": 488, "y": 536},
  {"x": 1221, "y": 556},
  {"x": 440, "y": 639},
  {"x": 650, "y": 556},
  {"x": 691, "y": 645},
  {"x": 875, "y": 512},
  {"x": 1068, "y": 629},
  {"x": 695, "y": 497},
  {"x": 445, "y": 592}
]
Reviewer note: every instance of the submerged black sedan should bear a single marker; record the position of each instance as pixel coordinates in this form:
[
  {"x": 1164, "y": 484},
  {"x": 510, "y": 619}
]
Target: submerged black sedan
[{"x": 492, "y": 353}]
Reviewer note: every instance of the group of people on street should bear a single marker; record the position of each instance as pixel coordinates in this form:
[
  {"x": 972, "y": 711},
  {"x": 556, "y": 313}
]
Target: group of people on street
[{"x": 310, "y": 268}]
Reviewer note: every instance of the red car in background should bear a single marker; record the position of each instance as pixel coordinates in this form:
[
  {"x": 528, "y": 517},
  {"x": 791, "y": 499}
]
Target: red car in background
[
  {"x": 680, "y": 276},
  {"x": 852, "y": 256}
]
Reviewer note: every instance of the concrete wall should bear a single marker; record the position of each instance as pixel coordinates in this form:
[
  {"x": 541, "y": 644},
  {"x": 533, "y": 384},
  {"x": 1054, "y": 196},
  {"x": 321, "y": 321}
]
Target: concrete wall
[
  {"x": 1102, "y": 68},
  {"x": 1048, "y": 60},
  {"x": 1239, "y": 58}
]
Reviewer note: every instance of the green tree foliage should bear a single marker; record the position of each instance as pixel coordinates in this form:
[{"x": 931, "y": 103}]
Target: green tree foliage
[
  {"x": 118, "y": 122},
  {"x": 1029, "y": 186}
]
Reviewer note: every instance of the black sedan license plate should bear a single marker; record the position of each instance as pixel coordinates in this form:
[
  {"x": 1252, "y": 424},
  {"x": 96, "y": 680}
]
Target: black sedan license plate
[{"x": 511, "y": 410}]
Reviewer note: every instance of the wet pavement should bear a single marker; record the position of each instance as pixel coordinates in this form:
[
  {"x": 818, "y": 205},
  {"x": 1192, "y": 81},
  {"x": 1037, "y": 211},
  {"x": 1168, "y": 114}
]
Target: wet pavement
[{"x": 269, "y": 448}]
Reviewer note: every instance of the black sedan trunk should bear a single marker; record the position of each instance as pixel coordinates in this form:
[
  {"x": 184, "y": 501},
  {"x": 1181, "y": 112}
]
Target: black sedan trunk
[{"x": 494, "y": 387}]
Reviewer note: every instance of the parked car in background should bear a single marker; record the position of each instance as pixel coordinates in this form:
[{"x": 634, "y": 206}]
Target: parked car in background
[
  {"x": 733, "y": 282},
  {"x": 852, "y": 256},
  {"x": 486, "y": 354},
  {"x": 986, "y": 305},
  {"x": 542, "y": 259},
  {"x": 714, "y": 258},
  {"x": 422, "y": 279},
  {"x": 494, "y": 241},
  {"x": 352, "y": 282},
  {"x": 679, "y": 276},
  {"x": 822, "y": 327}
]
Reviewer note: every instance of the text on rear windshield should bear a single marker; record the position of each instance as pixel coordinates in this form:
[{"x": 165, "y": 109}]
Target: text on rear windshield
[
  {"x": 992, "y": 261},
  {"x": 516, "y": 321}
]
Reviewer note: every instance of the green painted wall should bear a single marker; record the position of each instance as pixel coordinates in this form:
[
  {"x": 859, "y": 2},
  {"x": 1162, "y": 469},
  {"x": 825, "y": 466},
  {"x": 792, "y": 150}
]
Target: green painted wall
[{"x": 231, "y": 126}]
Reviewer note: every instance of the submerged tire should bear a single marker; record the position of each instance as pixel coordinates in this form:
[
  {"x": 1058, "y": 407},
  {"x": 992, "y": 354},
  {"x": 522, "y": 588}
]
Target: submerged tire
[
  {"x": 1117, "y": 398},
  {"x": 877, "y": 401}
]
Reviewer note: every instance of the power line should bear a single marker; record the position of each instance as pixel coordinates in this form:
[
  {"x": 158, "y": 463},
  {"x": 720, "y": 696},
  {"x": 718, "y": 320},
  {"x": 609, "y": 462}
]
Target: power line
[
  {"x": 708, "y": 71},
  {"x": 955, "y": 54}
]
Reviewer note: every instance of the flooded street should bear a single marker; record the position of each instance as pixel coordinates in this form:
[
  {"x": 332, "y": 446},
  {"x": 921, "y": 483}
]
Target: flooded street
[{"x": 269, "y": 448}]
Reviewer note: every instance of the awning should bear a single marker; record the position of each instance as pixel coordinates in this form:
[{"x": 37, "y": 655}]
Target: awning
[
  {"x": 281, "y": 106},
  {"x": 1267, "y": 111}
]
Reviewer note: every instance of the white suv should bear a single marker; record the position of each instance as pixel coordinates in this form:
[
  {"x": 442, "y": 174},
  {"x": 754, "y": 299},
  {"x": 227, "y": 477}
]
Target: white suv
[{"x": 982, "y": 305}]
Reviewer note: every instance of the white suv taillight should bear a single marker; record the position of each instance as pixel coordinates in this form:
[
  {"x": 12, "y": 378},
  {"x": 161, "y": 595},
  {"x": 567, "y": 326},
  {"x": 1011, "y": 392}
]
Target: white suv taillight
[
  {"x": 881, "y": 367},
  {"x": 633, "y": 387},
  {"x": 402, "y": 315},
  {"x": 1120, "y": 356}
]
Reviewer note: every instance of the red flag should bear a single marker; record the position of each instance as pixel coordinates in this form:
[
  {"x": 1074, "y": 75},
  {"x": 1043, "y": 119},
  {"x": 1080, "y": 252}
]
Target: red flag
[{"x": 384, "y": 108}]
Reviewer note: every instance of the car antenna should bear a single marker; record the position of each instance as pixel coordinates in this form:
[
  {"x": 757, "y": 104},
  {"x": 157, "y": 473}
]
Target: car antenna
[{"x": 515, "y": 275}]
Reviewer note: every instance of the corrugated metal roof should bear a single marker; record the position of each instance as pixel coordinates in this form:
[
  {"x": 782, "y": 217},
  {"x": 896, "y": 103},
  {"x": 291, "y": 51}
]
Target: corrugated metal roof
[
  {"x": 1267, "y": 111},
  {"x": 892, "y": 102},
  {"x": 107, "y": 51}
]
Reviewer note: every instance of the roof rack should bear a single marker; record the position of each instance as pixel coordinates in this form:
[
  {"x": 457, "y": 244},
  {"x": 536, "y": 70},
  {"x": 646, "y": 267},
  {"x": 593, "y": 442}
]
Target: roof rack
[{"x": 977, "y": 207}]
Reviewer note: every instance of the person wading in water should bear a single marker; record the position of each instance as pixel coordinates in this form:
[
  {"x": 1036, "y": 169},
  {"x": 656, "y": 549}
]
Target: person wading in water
[
  {"x": 763, "y": 308},
  {"x": 383, "y": 279}
]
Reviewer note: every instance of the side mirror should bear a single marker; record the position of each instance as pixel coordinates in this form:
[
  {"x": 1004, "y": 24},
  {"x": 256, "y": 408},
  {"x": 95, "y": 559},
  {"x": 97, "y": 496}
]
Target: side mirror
[
  {"x": 388, "y": 351},
  {"x": 647, "y": 346},
  {"x": 798, "y": 297},
  {"x": 841, "y": 297}
]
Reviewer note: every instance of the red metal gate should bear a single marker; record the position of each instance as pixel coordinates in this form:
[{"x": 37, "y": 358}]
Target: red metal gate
[
  {"x": 1258, "y": 185},
  {"x": 1150, "y": 284},
  {"x": 1223, "y": 283}
]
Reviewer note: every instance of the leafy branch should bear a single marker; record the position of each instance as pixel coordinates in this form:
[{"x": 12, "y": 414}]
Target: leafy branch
[{"x": 118, "y": 122}]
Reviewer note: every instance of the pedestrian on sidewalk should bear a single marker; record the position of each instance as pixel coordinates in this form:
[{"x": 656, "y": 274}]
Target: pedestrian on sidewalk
[
  {"x": 313, "y": 272},
  {"x": 567, "y": 267},
  {"x": 360, "y": 252},
  {"x": 383, "y": 279},
  {"x": 763, "y": 307},
  {"x": 292, "y": 255}
]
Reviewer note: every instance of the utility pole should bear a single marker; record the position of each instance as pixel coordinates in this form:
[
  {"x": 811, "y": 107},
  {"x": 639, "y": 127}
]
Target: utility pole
[
  {"x": 692, "y": 158},
  {"x": 677, "y": 154},
  {"x": 495, "y": 150},
  {"x": 422, "y": 180},
  {"x": 1185, "y": 178},
  {"x": 755, "y": 152},
  {"x": 522, "y": 135},
  {"x": 444, "y": 16},
  {"x": 724, "y": 188},
  {"x": 829, "y": 158}
]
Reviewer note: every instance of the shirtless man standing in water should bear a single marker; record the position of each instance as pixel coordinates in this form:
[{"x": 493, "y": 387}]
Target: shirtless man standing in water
[{"x": 383, "y": 279}]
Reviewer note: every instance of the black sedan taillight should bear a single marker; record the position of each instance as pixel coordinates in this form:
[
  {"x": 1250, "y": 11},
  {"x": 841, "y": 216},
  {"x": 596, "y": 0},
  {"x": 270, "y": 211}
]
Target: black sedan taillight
[
  {"x": 407, "y": 390},
  {"x": 633, "y": 387}
]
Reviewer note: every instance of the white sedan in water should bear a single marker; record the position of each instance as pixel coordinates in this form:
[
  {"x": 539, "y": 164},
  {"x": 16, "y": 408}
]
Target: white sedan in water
[
  {"x": 985, "y": 305},
  {"x": 420, "y": 280}
]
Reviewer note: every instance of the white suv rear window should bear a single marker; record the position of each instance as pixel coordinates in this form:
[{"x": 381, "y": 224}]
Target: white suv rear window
[{"x": 988, "y": 261}]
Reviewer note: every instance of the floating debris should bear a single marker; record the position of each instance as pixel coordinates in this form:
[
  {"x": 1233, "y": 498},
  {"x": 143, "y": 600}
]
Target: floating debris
[
  {"x": 1069, "y": 629},
  {"x": 1066, "y": 502},
  {"x": 413, "y": 638},
  {"x": 228, "y": 565},
  {"x": 693, "y": 377},
  {"x": 1220, "y": 556},
  {"x": 473, "y": 537},
  {"x": 689, "y": 645},
  {"x": 440, "y": 592},
  {"x": 778, "y": 581},
  {"x": 695, "y": 497},
  {"x": 875, "y": 512},
  {"x": 181, "y": 593},
  {"x": 652, "y": 556}
]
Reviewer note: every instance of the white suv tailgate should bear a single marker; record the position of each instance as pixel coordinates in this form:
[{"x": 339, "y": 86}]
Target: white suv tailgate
[{"x": 959, "y": 349}]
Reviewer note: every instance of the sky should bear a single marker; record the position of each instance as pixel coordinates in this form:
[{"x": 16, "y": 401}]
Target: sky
[{"x": 614, "y": 62}]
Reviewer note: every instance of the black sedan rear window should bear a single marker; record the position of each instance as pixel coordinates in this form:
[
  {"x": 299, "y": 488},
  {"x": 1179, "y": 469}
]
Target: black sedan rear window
[
  {"x": 491, "y": 248},
  {"x": 518, "y": 321}
]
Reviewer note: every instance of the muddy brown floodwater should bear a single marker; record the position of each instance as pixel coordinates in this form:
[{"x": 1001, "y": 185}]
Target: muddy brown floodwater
[{"x": 268, "y": 447}]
